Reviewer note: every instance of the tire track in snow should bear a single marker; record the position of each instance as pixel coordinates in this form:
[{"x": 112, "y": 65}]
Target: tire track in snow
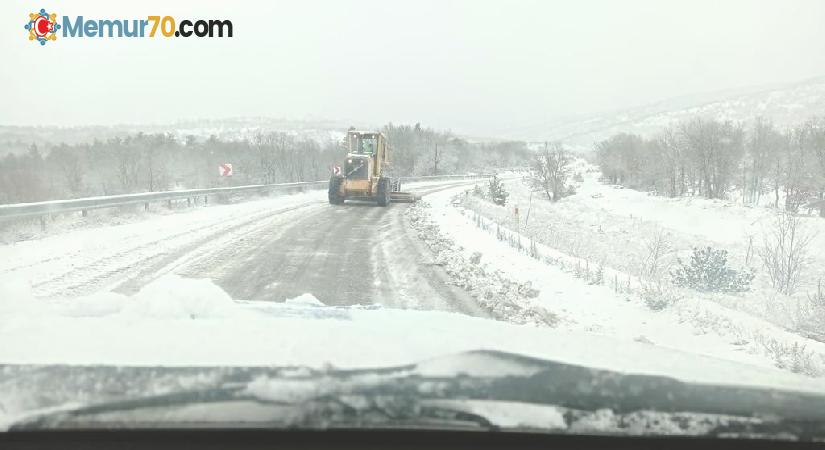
[
  {"x": 143, "y": 259},
  {"x": 343, "y": 255}
]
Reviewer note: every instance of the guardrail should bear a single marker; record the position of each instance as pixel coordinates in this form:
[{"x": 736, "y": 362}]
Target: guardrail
[
  {"x": 22, "y": 210},
  {"x": 815, "y": 203},
  {"x": 84, "y": 204},
  {"x": 444, "y": 177}
]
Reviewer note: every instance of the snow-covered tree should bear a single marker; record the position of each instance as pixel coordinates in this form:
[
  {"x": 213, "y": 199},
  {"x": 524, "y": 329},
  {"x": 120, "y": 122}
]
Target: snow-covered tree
[
  {"x": 496, "y": 191},
  {"x": 708, "y": 271}
]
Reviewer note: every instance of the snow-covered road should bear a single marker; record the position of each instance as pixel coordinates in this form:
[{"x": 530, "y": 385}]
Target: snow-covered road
[{"x": 271, "y": 249}]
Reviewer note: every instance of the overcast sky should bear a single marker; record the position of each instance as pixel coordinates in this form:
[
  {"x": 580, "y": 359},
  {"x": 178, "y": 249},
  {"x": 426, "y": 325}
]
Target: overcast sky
[{"x": 478, "y": 67}]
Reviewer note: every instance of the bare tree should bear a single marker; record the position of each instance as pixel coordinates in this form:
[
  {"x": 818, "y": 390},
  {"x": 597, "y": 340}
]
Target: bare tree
[
  {"x": 818, "y": 167},
  {"x": 658, "y": 249},
  {"x": 673, "y": 162},
  {"x": 784, "y": 251},
  {"x": 156, "y": 161},
  {"x": 156, "y": 150},
  {"x": 796, "y": 180},
  {"x": 620, "y": 158},
  {"x": 23, "y": 178},
  {"x": 68, "y": 164},
  {"x": 267, "y": 157},
  {"x": 776, "y": 168},
  {"x": 715, "y": 149},
  {"x": 551, "y": 170},
  {"x": 128, "y": 166},
  {"x": 762, "y": 145},
  {"x": 436, "y": 159},
  {"x": 818, "y": 297}
]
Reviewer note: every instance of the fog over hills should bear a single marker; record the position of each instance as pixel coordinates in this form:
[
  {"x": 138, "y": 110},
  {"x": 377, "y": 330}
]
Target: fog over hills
[
  {"x": 17, "y": 139},
  {"x": 785, "y": 104}
]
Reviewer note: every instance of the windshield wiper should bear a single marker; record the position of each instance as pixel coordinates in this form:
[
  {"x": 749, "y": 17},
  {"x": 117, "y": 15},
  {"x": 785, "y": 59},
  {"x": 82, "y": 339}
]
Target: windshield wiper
[
  {"x": 395, "y": 396},
  {"x": 328, "y": 411}
]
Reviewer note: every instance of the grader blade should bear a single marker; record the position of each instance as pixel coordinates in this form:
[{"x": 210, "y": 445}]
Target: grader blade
[{"x": 403, "y": 197}]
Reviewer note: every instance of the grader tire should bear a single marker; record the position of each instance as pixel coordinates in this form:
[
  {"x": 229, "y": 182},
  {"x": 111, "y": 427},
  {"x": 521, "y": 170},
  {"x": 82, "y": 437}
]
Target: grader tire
[
  {"x": 383, "y": 192},
  {"x": 334, "y": 195}
]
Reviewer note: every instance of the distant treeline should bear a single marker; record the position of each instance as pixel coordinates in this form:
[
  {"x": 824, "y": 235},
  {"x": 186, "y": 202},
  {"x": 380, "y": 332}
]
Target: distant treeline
[
  {"x": 157, "y": 162},
  {"x": 709, "y": 158}
]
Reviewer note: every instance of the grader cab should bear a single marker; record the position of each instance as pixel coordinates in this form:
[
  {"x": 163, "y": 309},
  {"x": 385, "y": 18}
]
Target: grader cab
[{"x": 365, "y": 174}]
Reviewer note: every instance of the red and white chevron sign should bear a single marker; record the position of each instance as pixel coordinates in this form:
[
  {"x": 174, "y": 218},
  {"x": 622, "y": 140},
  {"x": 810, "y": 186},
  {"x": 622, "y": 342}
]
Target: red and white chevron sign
[{"x": 225, "y": 170}]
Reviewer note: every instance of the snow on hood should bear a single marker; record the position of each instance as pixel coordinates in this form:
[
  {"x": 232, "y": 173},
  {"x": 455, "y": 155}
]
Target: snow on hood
[{"x": 176, "y": 321}]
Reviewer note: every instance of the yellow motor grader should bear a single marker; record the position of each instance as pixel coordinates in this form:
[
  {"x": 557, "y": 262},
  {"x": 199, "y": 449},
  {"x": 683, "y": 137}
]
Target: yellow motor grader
[{"x": 365, "y": 173}]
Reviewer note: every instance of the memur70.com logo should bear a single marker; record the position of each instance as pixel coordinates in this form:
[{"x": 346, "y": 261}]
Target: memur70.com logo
[{"x": 43, "y": 27}]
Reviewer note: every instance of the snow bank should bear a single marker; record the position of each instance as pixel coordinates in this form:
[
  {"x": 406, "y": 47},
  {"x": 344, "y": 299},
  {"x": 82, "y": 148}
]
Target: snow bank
[
  {"x": 168, "y": 297},
  {"x": 174, "y": 297},
  {"x": 16, "y": 297},
  {"x": 696, "y": 325},
  {"x": 179, "y": 322},
  {"x": 305, "y": 299},
  {"x": 492, "y": 289}
]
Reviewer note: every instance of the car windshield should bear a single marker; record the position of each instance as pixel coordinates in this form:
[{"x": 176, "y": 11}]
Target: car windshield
[{"x": 587, "y": 217}]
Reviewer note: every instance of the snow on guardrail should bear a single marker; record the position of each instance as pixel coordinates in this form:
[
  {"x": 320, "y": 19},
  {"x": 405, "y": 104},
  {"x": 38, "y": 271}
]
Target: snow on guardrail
[{"x": 19, "y": 210}]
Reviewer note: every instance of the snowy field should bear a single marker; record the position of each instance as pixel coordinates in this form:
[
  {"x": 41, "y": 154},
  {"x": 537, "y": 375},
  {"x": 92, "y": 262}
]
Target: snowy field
[{"x": 605, "y": 230}]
